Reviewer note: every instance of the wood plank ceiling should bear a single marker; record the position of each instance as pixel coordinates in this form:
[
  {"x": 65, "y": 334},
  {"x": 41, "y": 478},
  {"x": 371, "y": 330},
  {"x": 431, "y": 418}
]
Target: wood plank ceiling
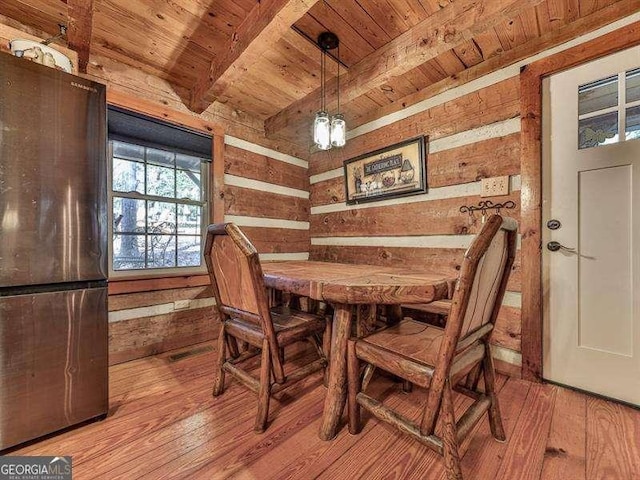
[{"x": 260, "y": 57}]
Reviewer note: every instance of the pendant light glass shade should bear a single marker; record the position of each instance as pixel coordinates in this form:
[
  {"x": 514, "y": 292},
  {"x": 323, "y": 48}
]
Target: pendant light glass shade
[
  {"x": 328, "y": 132},
  {"x": 338, "y": 131},
  {"x": 322, "y": 131}
]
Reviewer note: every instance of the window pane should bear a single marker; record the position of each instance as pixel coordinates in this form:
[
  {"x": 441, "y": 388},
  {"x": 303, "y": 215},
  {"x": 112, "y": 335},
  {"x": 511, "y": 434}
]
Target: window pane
[
  {"x": 599, "y": 130},
  {"x": 160, "y": 157},
  {"x": 162, "y": 217},
  {"x": 189, "y": 221},
  {"x": 633, "y": 123},
  {"x": 127, "y": 151},
  {"x": 161, "y": 251},
  {"x": 633, "y": 85},
  {"x": 128, "y": 176},
  {"x": 128, "y": 252},
  {"x": 189, "y": 254},
  {"x": 598, "y": 95},
  {"x": 160, "y": 181},
  {"x": 128, "y": 215},
  {"x": 188, "y": 185},
  {"x": 188, "y": 162}
]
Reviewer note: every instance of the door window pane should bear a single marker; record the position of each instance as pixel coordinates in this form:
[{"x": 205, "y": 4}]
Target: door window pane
[
  {"x": 598, "y": 95},
  {"x": 599, "y": 130},
  {"x": 633, "y": 85},
  {"x": 632, "y": 129}
]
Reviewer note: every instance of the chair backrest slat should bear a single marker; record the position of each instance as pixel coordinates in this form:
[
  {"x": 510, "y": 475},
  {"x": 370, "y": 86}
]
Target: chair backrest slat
[
  {"x": 486, "y": 284},
  {"x": 233, "y": 275}
]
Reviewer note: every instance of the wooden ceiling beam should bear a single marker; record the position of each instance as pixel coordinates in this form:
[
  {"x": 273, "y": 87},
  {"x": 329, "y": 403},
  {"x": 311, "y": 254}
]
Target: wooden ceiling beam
[
  {"x": 448, "y": 28},
  {"x": 79, "y": 26},
  {"x": 264, "y": 25}
]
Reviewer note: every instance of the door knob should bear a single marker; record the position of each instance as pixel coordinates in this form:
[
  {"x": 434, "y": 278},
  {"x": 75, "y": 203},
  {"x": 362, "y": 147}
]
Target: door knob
[{"x": 555, "y": 246}]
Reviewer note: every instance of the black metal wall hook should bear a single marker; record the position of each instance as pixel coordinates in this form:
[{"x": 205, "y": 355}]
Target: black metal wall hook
[{"x": 485, "y": 205}]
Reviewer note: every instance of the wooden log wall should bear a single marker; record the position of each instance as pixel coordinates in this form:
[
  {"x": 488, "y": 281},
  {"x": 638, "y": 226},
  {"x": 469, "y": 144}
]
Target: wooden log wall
[
  {"x": 471, "y": 136},
  {"x": 147, "y": 323},
  {"x": 266, "y": 193},
  {"x": 474, "y": 132}
]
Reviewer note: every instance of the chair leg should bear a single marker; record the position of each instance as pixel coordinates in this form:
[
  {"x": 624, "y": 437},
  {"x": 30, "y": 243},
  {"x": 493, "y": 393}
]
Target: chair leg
[
  {"x": 316, "y": 345},
  {"x": 218, "y": 382},
  {"x": 367, "y": 375},
  {"x": 232, "y": 344},
  {"x": 495, "y": 420},
  {"x": 473, "y": 378},
  {"x": 353, "y": 383},
  {"x": 449, "y": 435},
  {"x": 407, "y": 386},
  {"x": 394, "y": 314},
  {"x": 264, "y": 393}
]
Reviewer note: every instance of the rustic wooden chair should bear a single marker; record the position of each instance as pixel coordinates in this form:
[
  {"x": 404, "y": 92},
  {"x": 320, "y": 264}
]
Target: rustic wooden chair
[
  {"x": 241, "y": 298},
  {"x": 438, "y": 358}
]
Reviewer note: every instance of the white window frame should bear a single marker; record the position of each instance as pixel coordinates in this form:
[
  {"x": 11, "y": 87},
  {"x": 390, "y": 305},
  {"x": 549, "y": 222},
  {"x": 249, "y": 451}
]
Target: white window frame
[
  {"x": 156, "y": 272},
  {"x": 620, "y": 109}
]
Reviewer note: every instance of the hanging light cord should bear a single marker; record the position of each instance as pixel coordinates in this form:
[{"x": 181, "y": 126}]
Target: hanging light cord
[
  {"x": 323, "y": 61},
  {"x": 338, "y": 94}
]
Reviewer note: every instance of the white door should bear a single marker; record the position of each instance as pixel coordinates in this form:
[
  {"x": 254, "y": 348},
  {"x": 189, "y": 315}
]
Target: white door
[{"x": 591, "y": 188}]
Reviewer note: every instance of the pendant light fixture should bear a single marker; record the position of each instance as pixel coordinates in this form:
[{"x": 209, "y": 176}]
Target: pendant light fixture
[{"x": 328, "y": 131}]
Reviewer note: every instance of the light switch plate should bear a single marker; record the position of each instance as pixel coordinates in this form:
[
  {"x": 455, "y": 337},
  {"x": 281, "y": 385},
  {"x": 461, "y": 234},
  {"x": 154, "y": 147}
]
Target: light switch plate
[{"x": 494, "y": 186}]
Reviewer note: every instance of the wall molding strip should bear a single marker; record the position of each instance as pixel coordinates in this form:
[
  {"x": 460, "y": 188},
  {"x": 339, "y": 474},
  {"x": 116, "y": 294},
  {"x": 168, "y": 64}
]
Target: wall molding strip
[
  {"x": 243, "y": 221},
  {"x": 252, "y": 184},
  {"x": 260, "y": 150}
]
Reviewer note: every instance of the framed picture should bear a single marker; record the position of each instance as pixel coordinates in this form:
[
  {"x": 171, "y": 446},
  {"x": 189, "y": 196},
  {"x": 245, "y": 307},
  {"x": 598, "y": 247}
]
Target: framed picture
[{"x": 390, "y": 172}]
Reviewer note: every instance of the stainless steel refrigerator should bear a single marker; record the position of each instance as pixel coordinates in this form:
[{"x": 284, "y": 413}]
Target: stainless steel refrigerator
[{"x": 53, "y": 251}]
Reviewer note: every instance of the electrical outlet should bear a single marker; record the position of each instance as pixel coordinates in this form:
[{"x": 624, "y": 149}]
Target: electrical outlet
[
  {"x": 181, "y": 304},
  {"x": 494, "y": 186}
]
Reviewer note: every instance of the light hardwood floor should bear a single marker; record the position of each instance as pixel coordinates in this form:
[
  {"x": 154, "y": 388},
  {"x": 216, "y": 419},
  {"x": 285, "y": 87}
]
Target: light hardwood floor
[{"x": 164, "y": 423}]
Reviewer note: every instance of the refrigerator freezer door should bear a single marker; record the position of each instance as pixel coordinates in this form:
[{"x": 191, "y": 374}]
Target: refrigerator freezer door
[
  {"x": 53, "y": 176},
  {"x": 53, "y": 362}
]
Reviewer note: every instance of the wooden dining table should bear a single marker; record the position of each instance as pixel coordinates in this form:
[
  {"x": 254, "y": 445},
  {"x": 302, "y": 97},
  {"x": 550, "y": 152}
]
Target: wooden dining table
[{"x": 343, "y": 286}]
